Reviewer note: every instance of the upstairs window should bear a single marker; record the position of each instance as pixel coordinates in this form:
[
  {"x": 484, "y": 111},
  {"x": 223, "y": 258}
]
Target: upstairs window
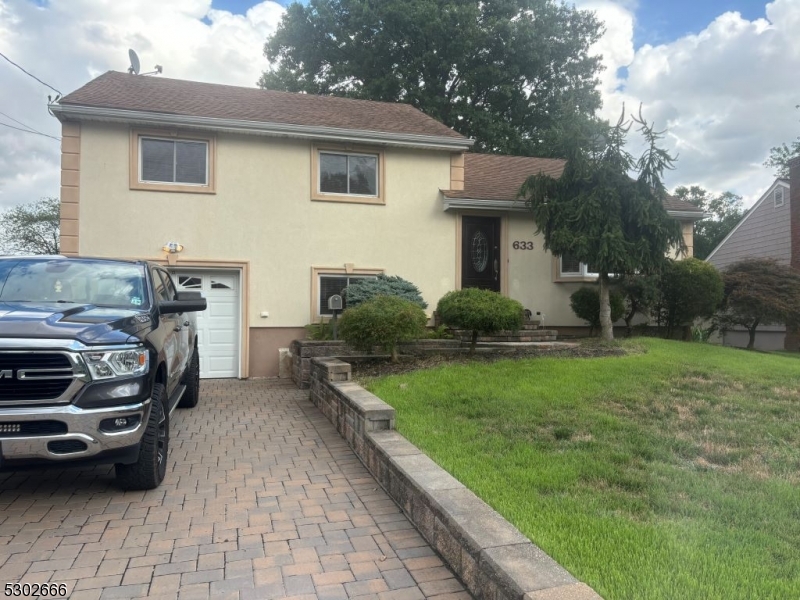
[
  {"x": 347, "y": 176},
  {"x": 172, "y": 164},
  {"x": 174, "y": 161}
]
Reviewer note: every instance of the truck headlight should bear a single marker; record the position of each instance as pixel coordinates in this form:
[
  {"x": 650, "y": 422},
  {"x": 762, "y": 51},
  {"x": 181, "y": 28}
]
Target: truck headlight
[{"x": 109, "y": 364}]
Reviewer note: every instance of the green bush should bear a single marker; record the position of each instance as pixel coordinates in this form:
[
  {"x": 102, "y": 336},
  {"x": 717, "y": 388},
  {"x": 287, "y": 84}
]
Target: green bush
[
  {"x": 481, "y": 311},
  {"x": 319, "y": 331},
  {"x": 585, "y": 304},
  {"x": 362, "y": 290},
  {"x": 690, "y": 289},
  {"x": 382, "y": 321}
]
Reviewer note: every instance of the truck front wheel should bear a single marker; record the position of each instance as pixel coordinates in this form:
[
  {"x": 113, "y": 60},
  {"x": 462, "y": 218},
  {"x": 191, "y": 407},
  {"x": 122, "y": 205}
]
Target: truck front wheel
[{"x": 150, "y": 469}]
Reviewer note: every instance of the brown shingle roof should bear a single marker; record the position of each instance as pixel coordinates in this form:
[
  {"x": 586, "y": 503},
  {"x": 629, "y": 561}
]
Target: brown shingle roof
[
  {"x": 190, "y": 98},
  {"x": 499, "y": 177}
]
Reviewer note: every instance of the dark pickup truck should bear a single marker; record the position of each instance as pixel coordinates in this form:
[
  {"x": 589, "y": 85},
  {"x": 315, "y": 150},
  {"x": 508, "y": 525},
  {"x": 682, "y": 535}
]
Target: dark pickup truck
[{"x": 95, "y": 355}]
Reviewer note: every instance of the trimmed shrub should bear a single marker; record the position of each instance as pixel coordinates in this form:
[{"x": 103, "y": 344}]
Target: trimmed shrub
[
  {"x": 481, "y": 311},
  {"x": 690, "y": 289},
  {"x": 365, "y": 289},
  {"x": 585, "y": 304},
  {"x": 382, "y": 321}
]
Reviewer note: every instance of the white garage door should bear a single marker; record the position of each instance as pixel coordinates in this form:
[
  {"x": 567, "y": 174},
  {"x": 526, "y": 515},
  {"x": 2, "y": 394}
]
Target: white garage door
[{"x": 218, "y": 325}]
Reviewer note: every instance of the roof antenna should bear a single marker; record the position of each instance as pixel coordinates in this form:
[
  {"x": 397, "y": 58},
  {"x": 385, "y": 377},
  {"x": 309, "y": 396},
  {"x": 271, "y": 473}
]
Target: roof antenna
[{"x": 135, "y": 65}]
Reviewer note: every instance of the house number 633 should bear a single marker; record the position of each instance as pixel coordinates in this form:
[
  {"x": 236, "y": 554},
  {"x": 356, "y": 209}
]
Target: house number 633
[{"x": 522, "y": 245}]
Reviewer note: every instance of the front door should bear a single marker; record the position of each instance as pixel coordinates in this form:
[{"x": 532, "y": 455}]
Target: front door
[{"x": 480, "y": 252}]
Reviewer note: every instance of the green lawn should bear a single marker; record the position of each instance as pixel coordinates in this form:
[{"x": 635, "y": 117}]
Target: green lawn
[{"x": 672, "y": 472}]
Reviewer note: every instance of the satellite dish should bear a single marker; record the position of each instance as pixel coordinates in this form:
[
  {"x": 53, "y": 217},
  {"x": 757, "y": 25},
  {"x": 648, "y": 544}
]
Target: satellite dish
[{"x": 134, "y": 68}]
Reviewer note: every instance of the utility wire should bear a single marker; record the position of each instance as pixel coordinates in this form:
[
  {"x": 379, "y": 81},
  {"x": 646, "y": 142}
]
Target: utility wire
[
  {"x": 21, "y": 123},
  {"x": 30, "y": 74},
  {"x": 29, "y": 131}
]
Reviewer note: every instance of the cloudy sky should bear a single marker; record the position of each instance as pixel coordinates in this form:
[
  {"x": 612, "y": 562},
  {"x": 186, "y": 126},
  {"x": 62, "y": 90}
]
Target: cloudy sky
[{"x": 719, "y": 75}]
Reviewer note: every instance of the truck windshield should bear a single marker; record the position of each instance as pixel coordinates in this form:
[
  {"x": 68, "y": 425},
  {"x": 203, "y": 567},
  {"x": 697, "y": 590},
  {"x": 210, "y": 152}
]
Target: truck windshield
[{"x": 103, "y": 283}]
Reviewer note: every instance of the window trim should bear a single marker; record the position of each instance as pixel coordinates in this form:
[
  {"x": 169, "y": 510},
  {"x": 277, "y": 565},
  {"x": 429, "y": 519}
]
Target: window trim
[
  {"x": 584, "y": 276},
  {"x": 348, "y": 271},
  {"x": 352, "y": 150},
  {"x": 173, "y": 135},
  {"x": 775, "y": 197}
]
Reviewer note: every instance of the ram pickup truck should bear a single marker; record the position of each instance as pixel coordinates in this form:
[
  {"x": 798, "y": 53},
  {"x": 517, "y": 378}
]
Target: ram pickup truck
[{"x": 95, "y": 355}]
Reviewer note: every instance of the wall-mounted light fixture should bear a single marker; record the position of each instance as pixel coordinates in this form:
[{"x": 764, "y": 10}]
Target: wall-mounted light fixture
[{"x": 172, "y": 247}]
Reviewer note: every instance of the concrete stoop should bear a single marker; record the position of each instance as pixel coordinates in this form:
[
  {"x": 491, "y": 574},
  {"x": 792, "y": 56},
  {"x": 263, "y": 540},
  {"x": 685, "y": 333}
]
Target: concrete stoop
[{"x": 492, "y": 558}]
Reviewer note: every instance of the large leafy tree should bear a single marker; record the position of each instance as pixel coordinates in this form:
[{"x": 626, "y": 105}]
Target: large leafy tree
[
  {"x": 760, "y": 292},
  {"x": 31, "y": 228},
  {"x": 506, "y": 72},
  {"x": 598, "y": 213},
  {"x": 779, "y": 157},
  {"x": 726, "y": 211}
]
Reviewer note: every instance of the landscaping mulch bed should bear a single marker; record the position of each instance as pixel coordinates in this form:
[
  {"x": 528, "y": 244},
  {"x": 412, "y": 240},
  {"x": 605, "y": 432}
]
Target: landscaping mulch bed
[{"x": 369, "y": 368}]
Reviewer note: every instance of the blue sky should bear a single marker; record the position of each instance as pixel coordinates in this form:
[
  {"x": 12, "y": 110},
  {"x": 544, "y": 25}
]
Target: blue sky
[
  {"x": 657, "y": 21},
  {"x": 660, "y": 21}
]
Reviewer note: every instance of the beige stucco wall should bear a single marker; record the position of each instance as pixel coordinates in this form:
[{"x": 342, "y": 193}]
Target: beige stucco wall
[
  {"x": 530, "y": 275},
  {"x": 262, "y": 213}
]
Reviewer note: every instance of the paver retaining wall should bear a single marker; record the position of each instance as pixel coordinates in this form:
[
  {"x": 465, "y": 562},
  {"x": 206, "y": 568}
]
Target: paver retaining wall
[{"x": 492, "y": 558}]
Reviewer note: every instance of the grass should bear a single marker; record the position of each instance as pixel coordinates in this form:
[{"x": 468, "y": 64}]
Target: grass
[{"x": 672, "y": 472}]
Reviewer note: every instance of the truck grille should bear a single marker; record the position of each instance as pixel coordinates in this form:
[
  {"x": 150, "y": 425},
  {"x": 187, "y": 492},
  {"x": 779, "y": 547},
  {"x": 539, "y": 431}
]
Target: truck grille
[{"x": 34, "y": 375}]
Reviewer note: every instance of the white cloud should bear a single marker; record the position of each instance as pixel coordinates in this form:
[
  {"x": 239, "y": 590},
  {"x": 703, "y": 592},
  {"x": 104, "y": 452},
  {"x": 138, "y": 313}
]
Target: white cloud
[
  {"x": 68, "y": 42},
  {"x": 726, "y": 95}
]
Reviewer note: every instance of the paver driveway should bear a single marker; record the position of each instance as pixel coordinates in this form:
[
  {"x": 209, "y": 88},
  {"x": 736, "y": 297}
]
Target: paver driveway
[{"x": 262, "y": 499}]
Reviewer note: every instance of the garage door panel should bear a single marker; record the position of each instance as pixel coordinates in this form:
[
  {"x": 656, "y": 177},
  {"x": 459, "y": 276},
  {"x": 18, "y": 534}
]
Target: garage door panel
[{"x": 218, "y": 328}]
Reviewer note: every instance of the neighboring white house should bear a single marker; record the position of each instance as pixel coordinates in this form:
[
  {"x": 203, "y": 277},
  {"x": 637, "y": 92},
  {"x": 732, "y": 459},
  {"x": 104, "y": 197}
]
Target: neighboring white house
[
  {"x": 764, "y": 232},
  {"x": 279, "y": 200}
]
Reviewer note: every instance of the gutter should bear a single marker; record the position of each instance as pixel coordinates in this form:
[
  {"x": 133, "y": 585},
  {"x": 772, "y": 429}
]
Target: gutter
[
  {"x": 521, "y": 206},
  {"x": 64, "y": 112},
  {"x": 475, "y": 203}
]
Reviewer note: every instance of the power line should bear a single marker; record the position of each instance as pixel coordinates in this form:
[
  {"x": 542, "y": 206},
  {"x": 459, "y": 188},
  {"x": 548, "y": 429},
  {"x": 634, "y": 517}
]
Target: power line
[
  {"x": 21, "y": 123},
  {"x": 30, "y": 74},
  {"x": 29, "y": 131}
]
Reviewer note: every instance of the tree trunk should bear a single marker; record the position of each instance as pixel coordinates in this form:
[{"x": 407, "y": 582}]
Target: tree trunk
[
  {"x": 474, "y": 342},
  {"x": 394, "y": 354},
  {"x": 751, "y": 343},
  {"x": 606, "y": 326}
]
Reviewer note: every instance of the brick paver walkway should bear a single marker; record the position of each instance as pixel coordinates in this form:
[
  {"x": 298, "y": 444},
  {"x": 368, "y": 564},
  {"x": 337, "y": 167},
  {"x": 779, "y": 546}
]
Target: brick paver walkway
[{"x": 262, "y": 499}]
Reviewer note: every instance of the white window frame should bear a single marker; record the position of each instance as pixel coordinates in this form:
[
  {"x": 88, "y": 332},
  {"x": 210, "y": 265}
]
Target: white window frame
[
  {"x": 775, "y": 196},
  {"x": 174, "y": 166},
  {"x": 583, "y": 272}
]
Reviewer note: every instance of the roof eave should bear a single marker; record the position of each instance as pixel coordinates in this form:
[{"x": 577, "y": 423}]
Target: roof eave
[
  {"x": 93, "y": 113},
  {"x": 687, "y": 215},
  {"x": 477, "y": 203}
]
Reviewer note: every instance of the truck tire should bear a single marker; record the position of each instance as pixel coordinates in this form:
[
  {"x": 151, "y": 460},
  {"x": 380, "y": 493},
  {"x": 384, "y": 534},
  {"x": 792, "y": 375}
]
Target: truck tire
[
  {"x": 149, "y": 470},
  {"x": 192, "y": 393}
]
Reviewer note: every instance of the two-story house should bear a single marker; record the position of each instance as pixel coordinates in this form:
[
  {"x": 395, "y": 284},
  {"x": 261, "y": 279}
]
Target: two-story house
[{"x": 274, "y": 201}]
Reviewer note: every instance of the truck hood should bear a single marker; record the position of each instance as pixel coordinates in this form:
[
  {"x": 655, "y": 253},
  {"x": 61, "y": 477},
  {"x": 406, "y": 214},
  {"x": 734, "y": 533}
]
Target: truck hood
[{"x": 86, "y": 323}]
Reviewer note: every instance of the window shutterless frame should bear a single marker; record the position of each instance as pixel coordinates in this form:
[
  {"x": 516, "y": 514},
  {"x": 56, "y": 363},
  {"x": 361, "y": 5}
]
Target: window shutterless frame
[
  {"x": 172, "y": 135},
  {"x": 347, "y": 151},
  {"x": 174, "y": 143}
]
